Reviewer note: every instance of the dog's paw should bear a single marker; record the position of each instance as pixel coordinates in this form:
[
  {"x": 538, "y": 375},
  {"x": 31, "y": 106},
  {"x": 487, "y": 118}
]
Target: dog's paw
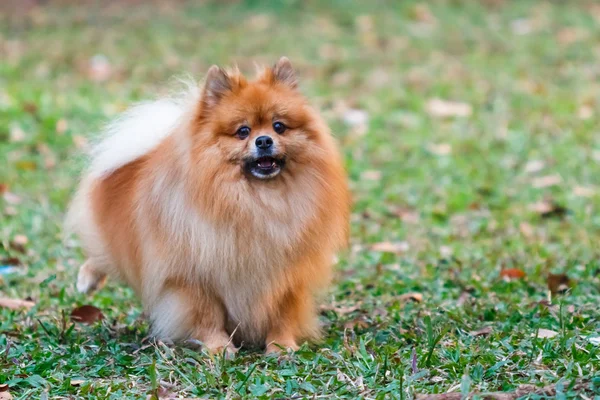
[
  {"x": 89, "y": 280},
  {"x": 276, "y": 348}
]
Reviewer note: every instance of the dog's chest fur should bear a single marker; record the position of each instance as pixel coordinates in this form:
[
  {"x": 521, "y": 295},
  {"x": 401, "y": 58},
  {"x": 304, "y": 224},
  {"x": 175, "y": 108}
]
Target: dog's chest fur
[{"x": 241, "y": 257}]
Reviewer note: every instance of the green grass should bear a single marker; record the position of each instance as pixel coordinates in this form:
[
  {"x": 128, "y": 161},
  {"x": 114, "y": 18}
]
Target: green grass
[{"x": 458, "y": 191}]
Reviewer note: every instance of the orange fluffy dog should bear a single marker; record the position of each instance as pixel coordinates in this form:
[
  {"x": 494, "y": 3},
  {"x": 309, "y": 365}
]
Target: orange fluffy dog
[{"x": 223, "y": 210}]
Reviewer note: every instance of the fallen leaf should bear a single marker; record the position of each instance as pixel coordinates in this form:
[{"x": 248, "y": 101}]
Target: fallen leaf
[
  {"x": 354, "y": 117},
  {"x": 422, "y": 13},
  {"x": 77, "y": 382},
  {"x": 446, "y": 251},
  {"x": 521, "y": 26},
  {"x": 526, "y": 230},
  {"x": 5, "y": 395},
  {"x": 20, "y": 240},
  {"x": 513, "y": 273},
  {"x": 16, "y": 134},
  {"x": 15, "y": 304},
  {"x": 547, "y": 181},
  {"x": 341, "y": 310},
  {"x": 18, "y": 243},
  {"x": 414, "y": 296},
  {"x": 358, "y": 322},
  {"x": 26, "y": 165},
  {"x": 80, "y": 142},
  {"x": 545, "y": 333},
  {"x": 585, "y": 112},
  {"x": 371, "y": 175},
  {"x": 12, "y": 198},
  {"x": 558, "y": 283},
  {"x": 549, "y": 209},
  {"x": 407, "y": 215},
  {"x": 10, "y": 261},
  {"x": 583, "y": 191},
  {"x": 442, "y": 149},
  {"x": 389, "y": 247},
  {"x": 482, "y": 332},
  {"x": 534, "y": 166},
  {"x": 567, "y": 36},
  {"x": 30, "y": 108},
  {"x": 61, "y": 126},
  {"x": 463, "y": 298},
  {"x": 444, "y": 108},
  {"x": 99, "y": 68},
  {"x": 86, "y": 314}
]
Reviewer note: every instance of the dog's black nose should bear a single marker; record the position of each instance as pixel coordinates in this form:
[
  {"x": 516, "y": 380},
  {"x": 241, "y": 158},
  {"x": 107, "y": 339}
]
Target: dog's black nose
[{"x": 264, "y": 142}]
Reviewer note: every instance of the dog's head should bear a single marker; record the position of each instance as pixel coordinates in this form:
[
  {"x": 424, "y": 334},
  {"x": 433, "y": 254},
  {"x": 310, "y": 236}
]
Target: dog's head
[{"x": 264, "y": 127}]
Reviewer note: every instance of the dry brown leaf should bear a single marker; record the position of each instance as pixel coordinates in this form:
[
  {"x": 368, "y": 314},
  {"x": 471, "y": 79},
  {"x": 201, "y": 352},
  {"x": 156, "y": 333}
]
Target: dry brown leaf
[
  {"x": 18, "y": 244},
  {"x": 11, "y": 198},
  {"x": 61, "y": 126},
  {"x": 5, "y": 395},
  {"x": 355, "y": 117},
  {"x": 15, "y": 304},
  {"x": 20, "y": 240},
  {"x": 545, "y": 333},
  {"x": 86, "y": 314},
  {"x": 513, "y": 273},
  {"x": 99, "y": 68},
  {"x": 391, "y": 247},
  {"x": 441, "y": 149},
  {"x": 10, "y": 261},
  {"x": 407, "y": 215},
  {"x": 371, "y": 175},
  {"x": 482, "y": 332},
  {"x": 521, "y": 26},
  {"x": 422, "y": 13},
  {"x": 358, "y": 322},
  {"x": 583, "y": 191},
  {"x": 341, "y": 310},
  {"x": 534, "y": 166},
  {"x": 546, "y": 181},
  {"x": 80, "y": 142},
  {"x": 527, "y": 230},
  {"x": 444, "y": 108},
  {"x": 549, "y": 209},
  {"x": 585, "y": 112},
  {"x": 558, "y": 283},
  {"x": 446, "y": 251},
  {"x": 414, "y": 296},
  {"x": 16, "y": 134}
]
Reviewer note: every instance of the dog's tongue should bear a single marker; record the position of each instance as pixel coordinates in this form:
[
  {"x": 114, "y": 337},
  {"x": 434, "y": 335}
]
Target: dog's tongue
[{"x": 265, "y": 163}]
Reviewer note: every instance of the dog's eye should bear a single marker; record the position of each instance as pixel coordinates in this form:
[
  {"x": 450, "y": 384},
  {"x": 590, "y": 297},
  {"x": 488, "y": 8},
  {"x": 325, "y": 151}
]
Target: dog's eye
[
  {"x": 243, "y": 132},
  {"x": 279, "y": 127}
]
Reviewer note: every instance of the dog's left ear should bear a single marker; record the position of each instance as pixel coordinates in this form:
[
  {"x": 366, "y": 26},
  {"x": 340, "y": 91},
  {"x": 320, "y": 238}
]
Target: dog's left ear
[
  {"x": 283, "y": 72},
  {"x": 217, "y": 84}
]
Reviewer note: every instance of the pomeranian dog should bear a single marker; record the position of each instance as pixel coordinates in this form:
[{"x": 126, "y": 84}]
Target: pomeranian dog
[{"x": 223, "y": 210}]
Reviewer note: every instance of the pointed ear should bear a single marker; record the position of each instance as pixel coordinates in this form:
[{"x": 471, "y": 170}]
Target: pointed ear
[
  {"x": 283, "y": 72},
  {"x": 216, "y": 85}
]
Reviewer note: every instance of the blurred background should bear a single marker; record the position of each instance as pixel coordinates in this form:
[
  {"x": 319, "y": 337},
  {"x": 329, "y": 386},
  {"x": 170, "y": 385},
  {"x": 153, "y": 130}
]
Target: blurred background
[{"x": 470, "y": 133}]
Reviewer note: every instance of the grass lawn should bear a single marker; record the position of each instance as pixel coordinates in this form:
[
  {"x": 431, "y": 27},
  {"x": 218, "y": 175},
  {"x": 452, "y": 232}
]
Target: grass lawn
[{"x": 470, "y": 133}]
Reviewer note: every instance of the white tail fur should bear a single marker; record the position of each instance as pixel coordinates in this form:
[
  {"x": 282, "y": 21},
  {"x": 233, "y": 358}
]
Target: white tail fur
[{"x": 139, "y": 130}]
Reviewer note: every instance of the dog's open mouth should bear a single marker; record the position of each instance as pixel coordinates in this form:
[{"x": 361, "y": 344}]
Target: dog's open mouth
[{"x": 264, "y": 167}]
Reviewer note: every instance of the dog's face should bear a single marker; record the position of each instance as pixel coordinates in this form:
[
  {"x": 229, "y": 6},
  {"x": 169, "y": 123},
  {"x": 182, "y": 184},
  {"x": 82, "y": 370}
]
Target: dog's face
[{"x": 263, "y": 128}]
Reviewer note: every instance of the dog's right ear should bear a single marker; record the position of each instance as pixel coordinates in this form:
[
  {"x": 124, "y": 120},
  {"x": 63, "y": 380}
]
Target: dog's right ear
[{"x": 217, "y": 84}]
